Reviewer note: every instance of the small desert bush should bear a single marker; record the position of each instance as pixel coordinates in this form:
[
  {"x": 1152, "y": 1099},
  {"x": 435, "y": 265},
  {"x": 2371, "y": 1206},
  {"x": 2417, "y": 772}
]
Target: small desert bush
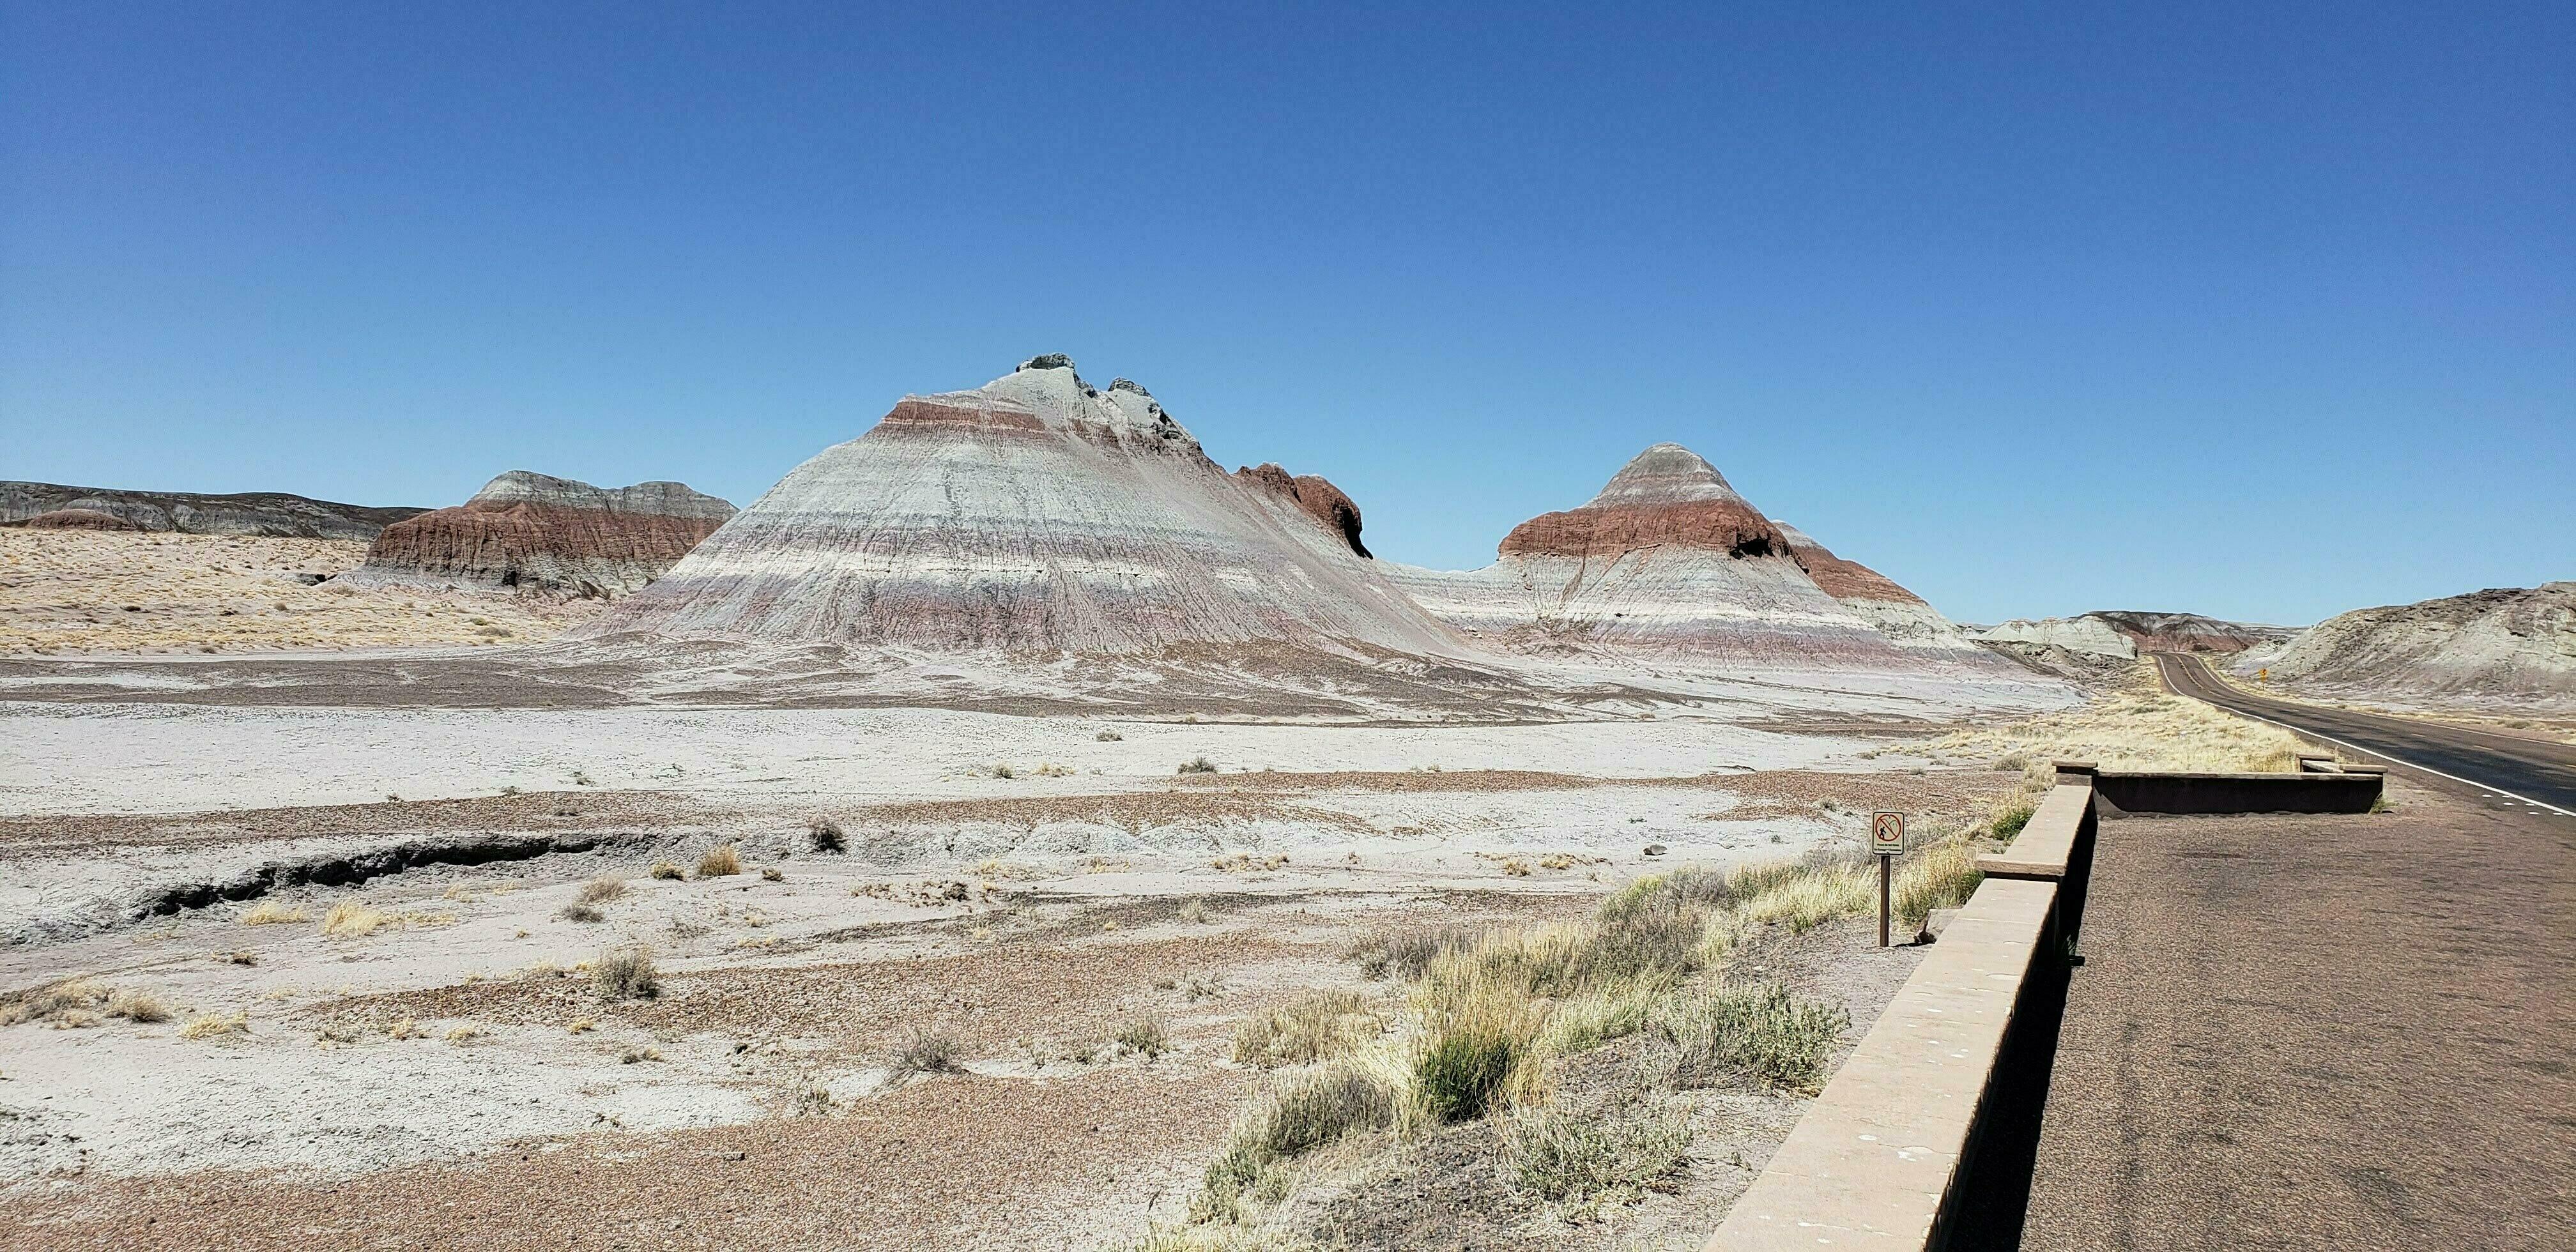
[
  {"x": 211, "y": 1025},
  {"x": 137, "y": 1006},
  {"x": 1146, "y": 1037},
  {"x": 579, "y": 912},
  {"x": 1758, "y": 1031},
  {"x": 720, "y": 861},
  {"x": 1108, "y": 736},
  {"x": 625, "y": 974},
  {"x": 351, "y": 920},
  {"x": 1611, "y": 1156},
  {"x": 1193, "y": 909},
  {"x": 1406, "y": 955},
  {"x": 929, "y": 1052},
  {"x": 601, "y": 890},
  {"x": 2009, "y": 820},
  {"x": 1468, "y": 1053},
  {"x": 1198, "y": 765},
  {"x": 1941, "y": 876},
  {"x": 1001, "y": 769},
  {"x": 1312, "y": 1027},
  {"x": 1305, "y": 1110},
  {"x": 272, "y": 913},
  {"x": 54, "y": 1002},
  {"x": 668, "y": 869},
  {"x": 825, "y": 835}
]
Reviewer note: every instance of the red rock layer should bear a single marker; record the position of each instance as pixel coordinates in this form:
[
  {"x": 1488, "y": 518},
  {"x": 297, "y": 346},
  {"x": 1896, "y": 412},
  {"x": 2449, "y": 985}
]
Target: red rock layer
[
  {"x": 1595, "y": 530},
  {"x": 515, "y": 543},
  {"x": 1847, "y": 580},
  {"x": 78, "y": 519},
  {"x": 1313, "y": 494}
]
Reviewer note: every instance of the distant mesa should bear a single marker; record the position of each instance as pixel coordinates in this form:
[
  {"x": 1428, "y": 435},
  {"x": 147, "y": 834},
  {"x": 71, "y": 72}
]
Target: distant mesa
[
  {"x": 536, "y": 532},
  {"x": 78, "y": 519},
  {"x": 1665, "y": 495},
  {"x": 250, "y": 513},
  {"x": 2510, "y": 644}
]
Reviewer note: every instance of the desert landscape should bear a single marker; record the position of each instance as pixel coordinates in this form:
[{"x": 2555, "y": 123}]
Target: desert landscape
[{"x": 966, "y": 810}]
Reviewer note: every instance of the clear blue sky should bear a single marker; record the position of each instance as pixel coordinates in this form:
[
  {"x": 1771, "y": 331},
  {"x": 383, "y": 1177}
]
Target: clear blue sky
[{"x": 2266, "y": 311}]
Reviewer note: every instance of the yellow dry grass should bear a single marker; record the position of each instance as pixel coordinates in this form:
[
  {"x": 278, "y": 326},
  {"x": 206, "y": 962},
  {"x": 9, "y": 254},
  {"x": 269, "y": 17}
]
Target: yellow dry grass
[
  {"x": 2137, "y": 726},
  {"x": 271, "y": 913},
  {"x": 79, "y": 592},
  {"x": 214, "y": 1025}
]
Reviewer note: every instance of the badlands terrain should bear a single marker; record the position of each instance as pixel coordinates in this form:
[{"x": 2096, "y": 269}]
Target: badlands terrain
[{"x": 1012, "y": 830}]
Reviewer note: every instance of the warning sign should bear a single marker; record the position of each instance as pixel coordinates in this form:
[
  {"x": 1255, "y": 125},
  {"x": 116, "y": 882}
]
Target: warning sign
[{"x": 1887, "y": 833}]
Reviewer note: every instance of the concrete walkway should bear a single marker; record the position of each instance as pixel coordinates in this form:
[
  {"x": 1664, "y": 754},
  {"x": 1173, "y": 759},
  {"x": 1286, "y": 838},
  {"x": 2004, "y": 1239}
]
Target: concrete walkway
[{"x": 2319, "y": 1032}]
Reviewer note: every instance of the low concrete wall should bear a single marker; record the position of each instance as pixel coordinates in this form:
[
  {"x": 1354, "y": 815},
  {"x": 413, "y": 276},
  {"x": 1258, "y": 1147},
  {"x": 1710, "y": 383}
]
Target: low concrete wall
[
  {"x": 2347, "y": 790},
  {"x": 1877, "y": 1157}
]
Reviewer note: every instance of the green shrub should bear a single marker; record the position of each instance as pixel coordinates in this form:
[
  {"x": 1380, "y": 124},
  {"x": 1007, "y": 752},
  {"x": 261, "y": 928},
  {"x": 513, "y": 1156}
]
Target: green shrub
[
  {"x": 1306, "y": 1110},
  {"x": 2009, "y": 821},
  {"x": 1759, "y": 1031},
  {"x": 1463, "y": 1065},
  {"x": 1560, "y": 1156}
]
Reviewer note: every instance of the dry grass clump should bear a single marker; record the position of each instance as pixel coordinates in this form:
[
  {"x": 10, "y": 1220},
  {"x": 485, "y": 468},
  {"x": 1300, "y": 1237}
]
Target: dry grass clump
[
  {"x": 272, "y": 912},
  {"x": 1406, "y": 955},
  {"x": 579, "y": 912},
  {"x": 351, "y": 920},
  {"x": 1313, "y": 1027},
  {"x": 1304, "y": 1110},
  {"x": 78, "y": 1002},
  {"x": 625, "y": 974},
  {"x": 929, "y": 1052},
  {"x": 1147, "y": 1037},
  {"x": 1941, "y": 876},
  {"x": 825, "y": 835},
  {"x": 2135, "y": 727},
  {"x": 720, "y": 861},
  {"x": 1108, "y": 736},
  {"x": 212, "y": 1026},
  {"x": 1194, "y": 910},
  {"x": 667, "y": 869},
  {"x": 1594, "y": 1159},
  {"x": 601, "y": 890},
  {"x": 1197, "y": 765},
  {"x": 1758, "y": 1031},
  {"x": 137, "y": 1006}
]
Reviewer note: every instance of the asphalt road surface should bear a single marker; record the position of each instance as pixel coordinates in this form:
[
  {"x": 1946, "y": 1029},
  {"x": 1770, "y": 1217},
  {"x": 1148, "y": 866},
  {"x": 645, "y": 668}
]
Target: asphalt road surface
[{"x": 2522, "y": 765}]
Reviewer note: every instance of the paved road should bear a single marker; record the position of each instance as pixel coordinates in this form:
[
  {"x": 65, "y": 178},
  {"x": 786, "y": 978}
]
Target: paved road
[{"x": 2537, "y": 769}]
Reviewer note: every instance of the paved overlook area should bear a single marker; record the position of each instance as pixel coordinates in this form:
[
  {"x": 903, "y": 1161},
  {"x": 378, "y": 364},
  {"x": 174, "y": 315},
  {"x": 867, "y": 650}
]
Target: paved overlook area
[{"x": 2320, "y": 1032}]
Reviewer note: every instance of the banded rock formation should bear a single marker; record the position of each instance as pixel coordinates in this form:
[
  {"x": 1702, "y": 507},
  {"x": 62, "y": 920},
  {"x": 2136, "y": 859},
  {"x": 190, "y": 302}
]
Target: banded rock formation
[
  {"x": 525, "y": 530},
  {"x": 1901, "y": 615},
  {"x": 1667, "y": 560},
  {"x": 2514, "y": 643},
  {"x": 78, "y": 519},
  {"x": 1035, "y": 514},
  {"x": 250, "y": 513}
]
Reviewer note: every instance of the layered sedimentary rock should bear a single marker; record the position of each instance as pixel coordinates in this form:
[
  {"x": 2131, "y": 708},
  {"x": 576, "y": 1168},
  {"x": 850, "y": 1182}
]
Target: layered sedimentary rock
[
  {"x": 1901, "y": 615},
  {"x": 2189, "y": 632},
  {"x": 2509, "y": 644},
  {"x": 2085, "y": 634},
  {"x": 251, "y": 513},
  {"x": 1669, "y": 560},
  {"x": 1036, "y": 513},
  {"x": 534, "y": 531},
  {"x": 78, "y": 519}
]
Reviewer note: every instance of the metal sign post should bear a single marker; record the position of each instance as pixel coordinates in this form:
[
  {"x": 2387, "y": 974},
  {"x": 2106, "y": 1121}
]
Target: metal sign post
[{"x": 1887, "y": 839}]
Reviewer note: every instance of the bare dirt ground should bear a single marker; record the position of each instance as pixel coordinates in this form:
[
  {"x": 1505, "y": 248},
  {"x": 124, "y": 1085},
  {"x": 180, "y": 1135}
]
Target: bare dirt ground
[{"x": 68, "y": 593}]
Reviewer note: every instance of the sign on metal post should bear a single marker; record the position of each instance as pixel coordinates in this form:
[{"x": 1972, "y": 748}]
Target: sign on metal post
[{"x": 1887, "y": 839}]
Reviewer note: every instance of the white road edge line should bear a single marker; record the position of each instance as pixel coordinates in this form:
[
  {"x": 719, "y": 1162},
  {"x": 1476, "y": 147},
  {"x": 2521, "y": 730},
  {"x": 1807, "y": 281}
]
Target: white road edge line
[{"x": 2301, "y": 730}]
